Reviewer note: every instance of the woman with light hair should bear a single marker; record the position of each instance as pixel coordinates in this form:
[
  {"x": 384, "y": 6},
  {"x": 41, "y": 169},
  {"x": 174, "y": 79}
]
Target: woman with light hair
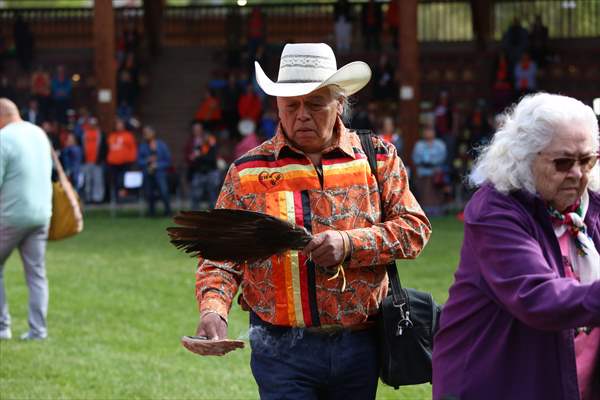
[{"x": 523, "y": 315}]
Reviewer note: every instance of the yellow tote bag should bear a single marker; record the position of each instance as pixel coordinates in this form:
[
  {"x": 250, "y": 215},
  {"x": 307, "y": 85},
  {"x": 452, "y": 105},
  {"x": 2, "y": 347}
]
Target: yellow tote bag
[{"x": 67, "y": 219}]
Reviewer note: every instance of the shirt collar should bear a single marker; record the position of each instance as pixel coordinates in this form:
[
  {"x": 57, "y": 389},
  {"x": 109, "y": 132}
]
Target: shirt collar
[{"x": 343, "y": 141}]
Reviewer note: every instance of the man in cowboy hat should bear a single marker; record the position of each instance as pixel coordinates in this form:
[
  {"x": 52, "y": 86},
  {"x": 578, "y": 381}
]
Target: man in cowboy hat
[{"x": 311, "y": 311}]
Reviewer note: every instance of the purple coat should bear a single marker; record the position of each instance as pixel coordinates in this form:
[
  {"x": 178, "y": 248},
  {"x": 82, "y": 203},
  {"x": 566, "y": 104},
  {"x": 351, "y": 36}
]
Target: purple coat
[{"x": 506, "y": 331}]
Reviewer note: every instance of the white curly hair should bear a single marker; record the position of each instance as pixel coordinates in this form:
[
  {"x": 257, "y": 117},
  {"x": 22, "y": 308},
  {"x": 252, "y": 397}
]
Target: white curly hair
[{"x": 525, "y": 130}]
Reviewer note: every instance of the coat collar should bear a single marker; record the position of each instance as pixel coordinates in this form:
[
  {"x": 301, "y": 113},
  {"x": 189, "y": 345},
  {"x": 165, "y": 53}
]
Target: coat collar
[{"x": 539, "y": 209}]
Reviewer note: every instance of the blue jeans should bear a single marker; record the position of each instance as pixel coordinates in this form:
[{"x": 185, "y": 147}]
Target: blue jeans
[
  {"x": 293, "y": 363},
  {"x": 205, "y": 185},
  {"x": 157, "y": 182}
]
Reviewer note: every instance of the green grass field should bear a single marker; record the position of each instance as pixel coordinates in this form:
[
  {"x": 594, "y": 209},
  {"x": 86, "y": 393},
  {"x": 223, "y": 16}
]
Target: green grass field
[{"x": 121, "y": 297}]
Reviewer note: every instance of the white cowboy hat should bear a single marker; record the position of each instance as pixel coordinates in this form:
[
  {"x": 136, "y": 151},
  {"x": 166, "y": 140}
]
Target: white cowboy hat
[{"x": 306, "y": 67}]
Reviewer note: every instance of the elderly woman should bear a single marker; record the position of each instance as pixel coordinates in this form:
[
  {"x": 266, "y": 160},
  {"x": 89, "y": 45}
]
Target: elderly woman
[{"x": 522, "y": 318}]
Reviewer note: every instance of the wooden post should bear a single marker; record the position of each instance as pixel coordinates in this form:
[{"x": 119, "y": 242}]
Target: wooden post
[
  {"x": 153, "y": 13},
  {"x": 104, "y": 63},
  {"x": 481, "y": 19},
  {"x": 408, "y": 68}
]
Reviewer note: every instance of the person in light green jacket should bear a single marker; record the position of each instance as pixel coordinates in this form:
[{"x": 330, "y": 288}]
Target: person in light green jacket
[{"x": 25, "y": 211}]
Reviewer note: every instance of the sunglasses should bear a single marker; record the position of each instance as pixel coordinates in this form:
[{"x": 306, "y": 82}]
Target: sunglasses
[{"x": 565, "y": 164}]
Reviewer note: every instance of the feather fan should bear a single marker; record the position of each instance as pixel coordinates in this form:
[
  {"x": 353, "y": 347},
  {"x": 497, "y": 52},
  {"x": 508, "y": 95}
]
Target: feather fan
[{"x": 235, "y": 235}]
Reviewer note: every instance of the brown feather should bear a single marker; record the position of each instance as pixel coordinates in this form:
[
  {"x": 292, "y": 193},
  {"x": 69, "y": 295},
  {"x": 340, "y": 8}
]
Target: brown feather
[{"x": 235, "y": 235}]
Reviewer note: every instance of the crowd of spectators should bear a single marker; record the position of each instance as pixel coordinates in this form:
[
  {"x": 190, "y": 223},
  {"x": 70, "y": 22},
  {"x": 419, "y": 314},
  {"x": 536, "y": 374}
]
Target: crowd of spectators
[
  {"x": 103, "y": 165},
  {"x": 521, "y": 55},
  {"x": 372, "y": 21},
  {"x": 50, "y": 94},
  {"x": 131, "y": 161},
  {"x": 96, "y": 162}
]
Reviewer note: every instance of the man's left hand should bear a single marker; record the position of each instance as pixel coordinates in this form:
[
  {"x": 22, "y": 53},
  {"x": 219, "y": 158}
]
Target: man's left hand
[{"x": 326, "y": 249}]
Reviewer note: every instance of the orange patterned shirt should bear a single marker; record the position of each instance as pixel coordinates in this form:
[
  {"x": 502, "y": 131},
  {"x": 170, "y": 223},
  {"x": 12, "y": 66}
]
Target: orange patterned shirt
[{"x": 289, "y": 290}]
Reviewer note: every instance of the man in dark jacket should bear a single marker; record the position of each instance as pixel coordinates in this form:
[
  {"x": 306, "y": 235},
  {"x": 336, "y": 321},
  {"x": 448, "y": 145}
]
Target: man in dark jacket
[
  {"x": 154, "y": 158},
  {"x": 203, "y": 174}
]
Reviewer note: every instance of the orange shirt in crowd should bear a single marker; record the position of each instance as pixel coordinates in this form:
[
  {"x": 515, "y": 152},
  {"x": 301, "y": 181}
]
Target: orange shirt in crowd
[
  {"x": 122, "y": 148},
  {"x": 209, "y": 110},
  {"x": 91, "y": 144},
  {"x": 249, "y": 106}
]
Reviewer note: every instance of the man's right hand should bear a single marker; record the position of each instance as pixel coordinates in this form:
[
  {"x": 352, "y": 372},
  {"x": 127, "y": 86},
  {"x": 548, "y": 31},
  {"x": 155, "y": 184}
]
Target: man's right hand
[{"x": 212, "y": 326}]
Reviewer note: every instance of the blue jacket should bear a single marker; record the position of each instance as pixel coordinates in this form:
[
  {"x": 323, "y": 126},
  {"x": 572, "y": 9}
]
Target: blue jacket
[
  {"x": 71, "y": 158},
  {"x": 428, "y": 157},
  {"x": 163, "y": 160}
]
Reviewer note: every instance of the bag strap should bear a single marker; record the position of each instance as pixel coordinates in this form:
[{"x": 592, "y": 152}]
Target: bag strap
[
  {"x": 398, "y": 295},
  {"x": 57, "y": 165}
]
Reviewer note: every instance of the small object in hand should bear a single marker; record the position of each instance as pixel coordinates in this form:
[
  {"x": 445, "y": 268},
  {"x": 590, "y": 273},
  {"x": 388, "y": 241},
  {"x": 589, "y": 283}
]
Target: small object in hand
[{"x": 204, "y": 346}]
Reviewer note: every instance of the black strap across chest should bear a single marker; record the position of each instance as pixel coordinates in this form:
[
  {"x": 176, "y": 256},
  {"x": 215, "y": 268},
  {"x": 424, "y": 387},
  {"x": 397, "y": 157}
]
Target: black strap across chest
[{"x": 366, "y": 140}]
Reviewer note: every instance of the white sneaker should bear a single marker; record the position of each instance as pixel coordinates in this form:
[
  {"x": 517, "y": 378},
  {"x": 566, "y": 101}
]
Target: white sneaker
[
  {"x": 31, "y": 336},
  {"x": 5, "y": 334}
]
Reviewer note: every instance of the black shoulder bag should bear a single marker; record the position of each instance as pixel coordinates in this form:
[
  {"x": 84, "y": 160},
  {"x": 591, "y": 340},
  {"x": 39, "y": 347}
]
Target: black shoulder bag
[{"x": 407, "y": 320}]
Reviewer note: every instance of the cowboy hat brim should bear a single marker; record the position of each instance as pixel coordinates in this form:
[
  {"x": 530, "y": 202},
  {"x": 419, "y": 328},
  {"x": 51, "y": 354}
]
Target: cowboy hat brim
[{"x": 351, "y": 78}]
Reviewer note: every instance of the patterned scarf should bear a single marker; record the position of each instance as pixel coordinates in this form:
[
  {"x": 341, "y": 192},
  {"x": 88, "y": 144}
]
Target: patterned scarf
[{"x": 583, "y": 254}]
